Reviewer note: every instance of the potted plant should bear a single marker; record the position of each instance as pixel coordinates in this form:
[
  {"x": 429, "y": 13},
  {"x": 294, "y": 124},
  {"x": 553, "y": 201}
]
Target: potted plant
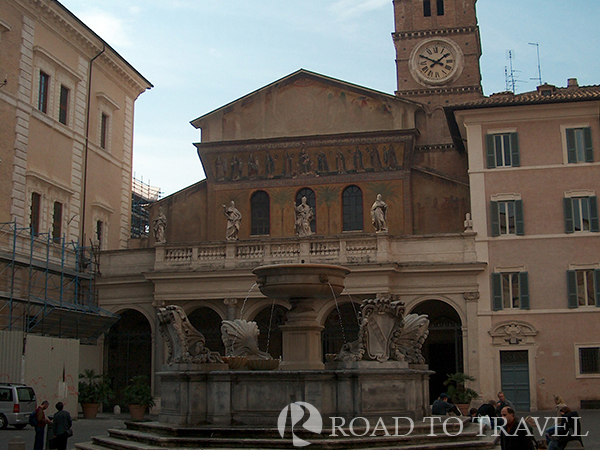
[
  {"x": 460, "y": 394},
  {"x": 137, "y": 395},
  {"x": 94, "y": 390}
]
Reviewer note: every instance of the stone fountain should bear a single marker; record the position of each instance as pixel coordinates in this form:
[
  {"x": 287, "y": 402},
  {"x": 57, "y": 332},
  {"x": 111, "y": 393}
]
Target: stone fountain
[
  {"x": 380, "y": 375},
  {"x": 303, "y": 285}
]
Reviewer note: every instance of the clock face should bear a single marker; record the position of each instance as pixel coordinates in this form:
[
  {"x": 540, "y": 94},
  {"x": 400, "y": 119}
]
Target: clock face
[{"x": 436, "y": 61}]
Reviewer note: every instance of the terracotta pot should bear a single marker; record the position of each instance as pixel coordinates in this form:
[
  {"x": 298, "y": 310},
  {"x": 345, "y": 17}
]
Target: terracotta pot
[
  {"x": 464, "y": 408},
  {"x": 137, "y": 411},
  {"x": 90, "y": 410}
]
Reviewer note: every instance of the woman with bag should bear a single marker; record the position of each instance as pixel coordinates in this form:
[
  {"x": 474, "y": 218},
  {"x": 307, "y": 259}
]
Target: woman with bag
[{"x": 61, "y": 427}]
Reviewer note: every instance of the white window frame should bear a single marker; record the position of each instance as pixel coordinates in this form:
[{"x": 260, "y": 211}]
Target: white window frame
[
  {"x": 495, "y": 132},
  {"x": 60, "y": 74},
  {"x": 563, "y": 137},
  {"x": 106, "y": 106},
  {"x": 577, "y": 358}
]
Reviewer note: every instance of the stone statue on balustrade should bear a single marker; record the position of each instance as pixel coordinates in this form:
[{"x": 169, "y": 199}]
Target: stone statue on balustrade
[
  {"x": 159, "y": 225},
  {"x": 234, "y": 220},
  {"x": 304, "y": 216},
  {"x": 385, "y": 335},
  {"x": 379, "y": 214},
  {"x": 185, "y": 344}
]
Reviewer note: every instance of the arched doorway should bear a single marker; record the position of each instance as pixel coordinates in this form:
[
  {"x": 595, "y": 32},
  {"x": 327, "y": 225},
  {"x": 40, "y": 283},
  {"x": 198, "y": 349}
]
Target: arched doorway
[
  {"x": 208, "y": 322},
  {"x": 266, "y": 320},
  {"x": 341, "y": 326},
  {"x": 443, "y": 348},
  {"x": 128, "y": 347}
]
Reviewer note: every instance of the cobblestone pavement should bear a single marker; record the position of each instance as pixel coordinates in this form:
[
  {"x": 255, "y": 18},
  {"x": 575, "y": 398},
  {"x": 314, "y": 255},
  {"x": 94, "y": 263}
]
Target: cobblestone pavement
[{"x": 85, "y": 429}]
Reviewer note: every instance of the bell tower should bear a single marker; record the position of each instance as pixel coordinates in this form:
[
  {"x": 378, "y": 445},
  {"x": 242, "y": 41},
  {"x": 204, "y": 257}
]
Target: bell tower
[{"x": 437, "y": 58}]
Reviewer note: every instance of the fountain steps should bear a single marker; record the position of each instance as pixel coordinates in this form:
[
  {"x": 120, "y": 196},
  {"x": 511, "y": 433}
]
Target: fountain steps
[{"x": 154, "y": 436}]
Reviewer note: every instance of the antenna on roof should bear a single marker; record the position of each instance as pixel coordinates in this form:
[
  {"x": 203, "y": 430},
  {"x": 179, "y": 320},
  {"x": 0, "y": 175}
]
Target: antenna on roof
[
  {"x": 510, "y": 73},
  {"x": 539, "y": 78}
]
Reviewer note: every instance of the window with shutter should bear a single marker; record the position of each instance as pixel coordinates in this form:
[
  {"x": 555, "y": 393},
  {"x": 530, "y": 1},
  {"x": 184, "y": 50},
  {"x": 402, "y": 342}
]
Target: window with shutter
[
  {"x": 579, "y": 145},
  {"x": 582, "y": 286},
  {"x": 502, "y": 150},
  {"x": 507, "y": 217},
  {"x": 510, "y": 290},
  {"x": 581, "y": 214}
]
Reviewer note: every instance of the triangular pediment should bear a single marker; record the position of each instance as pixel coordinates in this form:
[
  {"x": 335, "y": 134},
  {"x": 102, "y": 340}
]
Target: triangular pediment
[{"x": 305, "y": 103}]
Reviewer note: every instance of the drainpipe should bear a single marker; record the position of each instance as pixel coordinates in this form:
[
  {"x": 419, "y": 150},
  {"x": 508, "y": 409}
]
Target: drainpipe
[{"x": 87, "y": 139}]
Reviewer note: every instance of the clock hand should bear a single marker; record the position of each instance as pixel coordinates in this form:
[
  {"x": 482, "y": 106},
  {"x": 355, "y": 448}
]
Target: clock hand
[
  {"x": 429, "y": 59},
  {"x": 442, "y": 57}
]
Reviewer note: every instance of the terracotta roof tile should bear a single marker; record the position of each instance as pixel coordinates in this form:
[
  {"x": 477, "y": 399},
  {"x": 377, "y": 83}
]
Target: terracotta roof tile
[{"x": 558, "y": 95}]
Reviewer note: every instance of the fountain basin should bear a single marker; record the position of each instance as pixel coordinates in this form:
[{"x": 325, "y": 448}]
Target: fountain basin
[
  {"x": 191, "y": 395},
  {"x": 301, "y": 281}
]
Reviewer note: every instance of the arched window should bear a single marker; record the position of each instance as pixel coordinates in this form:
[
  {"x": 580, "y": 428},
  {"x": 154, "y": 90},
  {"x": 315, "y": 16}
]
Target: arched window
[
  {"x": 440, "y": 7},
  {"x": 260, "y": 215},
  {"x": 427, "y": 8},
  {"x": 311, "y": 200},
  {"x": 352, "y": 209}
]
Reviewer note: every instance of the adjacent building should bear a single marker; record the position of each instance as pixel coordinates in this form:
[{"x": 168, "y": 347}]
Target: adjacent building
[
  {"x": 66, "y": 138},
  {"x": 534, "y": 166}
]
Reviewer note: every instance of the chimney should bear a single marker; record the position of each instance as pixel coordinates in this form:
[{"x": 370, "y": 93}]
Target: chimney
[{"x": 572, "y": 83}]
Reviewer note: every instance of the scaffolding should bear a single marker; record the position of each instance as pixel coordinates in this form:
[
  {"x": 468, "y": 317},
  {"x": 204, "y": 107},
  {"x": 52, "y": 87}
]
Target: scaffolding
[
  {"x": 47, "y": 286},
  {"x": 142, "y": 195}
]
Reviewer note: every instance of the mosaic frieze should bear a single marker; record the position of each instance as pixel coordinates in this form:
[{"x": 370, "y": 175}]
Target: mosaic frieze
[{"x": 306, "y": 162}]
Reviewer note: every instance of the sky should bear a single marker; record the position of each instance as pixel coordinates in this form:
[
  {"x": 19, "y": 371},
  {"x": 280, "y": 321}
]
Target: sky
[{"x": 202, "y": 54}]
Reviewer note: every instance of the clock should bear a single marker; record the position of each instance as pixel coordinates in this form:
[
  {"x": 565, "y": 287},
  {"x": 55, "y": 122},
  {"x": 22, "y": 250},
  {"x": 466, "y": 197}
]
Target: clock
[{"x": 436, "y": 62}]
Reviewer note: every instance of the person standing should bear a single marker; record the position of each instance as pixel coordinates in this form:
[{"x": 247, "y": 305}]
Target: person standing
[
  {"x": 502, "y": 403},
  {"x": 513, "y": 436},
  {"x": 61, "y": 424},
  {"x": 38, "y": 443}
]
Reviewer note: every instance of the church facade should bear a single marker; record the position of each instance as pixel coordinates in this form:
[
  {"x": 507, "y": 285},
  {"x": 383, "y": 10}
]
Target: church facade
[{"x": 349, "y": 153}]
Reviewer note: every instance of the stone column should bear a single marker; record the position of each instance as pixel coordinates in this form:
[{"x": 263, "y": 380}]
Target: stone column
[
  {"x": 231, "y": 304},
  {"x": 301, "y": 336}
]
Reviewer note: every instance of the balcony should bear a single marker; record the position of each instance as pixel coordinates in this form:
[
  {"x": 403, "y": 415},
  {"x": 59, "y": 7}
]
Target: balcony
[{"x": 351, "y": 249}]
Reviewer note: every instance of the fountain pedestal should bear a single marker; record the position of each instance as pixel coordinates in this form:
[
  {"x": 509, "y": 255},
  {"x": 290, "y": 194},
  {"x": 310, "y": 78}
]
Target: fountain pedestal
[{"x": 302, "y": 285}]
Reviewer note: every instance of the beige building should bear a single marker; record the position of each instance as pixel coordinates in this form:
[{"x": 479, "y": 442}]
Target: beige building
[
  {"x": 534, "y": 168},
  {"x": 66, "y": 138}
]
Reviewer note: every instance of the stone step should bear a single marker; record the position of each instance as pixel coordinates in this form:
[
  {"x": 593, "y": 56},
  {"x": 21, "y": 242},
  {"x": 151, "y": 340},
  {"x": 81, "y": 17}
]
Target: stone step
[
  {"x": 115, "y": 444},
  {"x": 265, "y": 432},
  {"x": 120, "y": 439}
]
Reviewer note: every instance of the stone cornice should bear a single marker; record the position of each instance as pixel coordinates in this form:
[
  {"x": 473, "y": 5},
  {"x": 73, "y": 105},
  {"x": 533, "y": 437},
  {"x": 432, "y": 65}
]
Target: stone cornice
[
  {"x": 442, "y": 90},
  {"x": 311, "y": 141},
  {"x": 60, "y": 19},
  {"x": 420, "y": 34}
]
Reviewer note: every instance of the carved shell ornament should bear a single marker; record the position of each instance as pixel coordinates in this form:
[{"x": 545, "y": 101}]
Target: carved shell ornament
[{"x": 241, "y": 339}]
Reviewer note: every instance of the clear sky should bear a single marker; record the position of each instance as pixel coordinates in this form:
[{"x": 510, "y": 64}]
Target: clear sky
[{"x": 202, "y": 54}]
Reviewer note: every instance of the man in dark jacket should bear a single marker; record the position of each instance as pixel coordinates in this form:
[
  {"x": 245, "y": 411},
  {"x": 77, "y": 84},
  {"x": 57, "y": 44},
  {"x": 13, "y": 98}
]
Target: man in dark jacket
[
  {"x": 513, "y": 436},
  {"x": 61, "y": 424},
  {"x": 38, "y": 443},
  {"x": 441, "y": 406}
]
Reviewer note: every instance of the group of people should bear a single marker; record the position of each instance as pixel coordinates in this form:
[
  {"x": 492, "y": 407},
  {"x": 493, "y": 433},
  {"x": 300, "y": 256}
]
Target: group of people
[
  {"x": 514, "y": 436},
  {"x": 61, "y": 427}
]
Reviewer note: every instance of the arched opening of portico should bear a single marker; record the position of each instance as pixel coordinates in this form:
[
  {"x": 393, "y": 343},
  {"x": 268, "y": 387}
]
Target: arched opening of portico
[
  {"x": 270, "y": 338},
  {"x": 128, "y": 347},
  {"x": 208, "y": 322},
  {"x": 341, "y": 326},
  {"x": 443, "y": 349}
]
